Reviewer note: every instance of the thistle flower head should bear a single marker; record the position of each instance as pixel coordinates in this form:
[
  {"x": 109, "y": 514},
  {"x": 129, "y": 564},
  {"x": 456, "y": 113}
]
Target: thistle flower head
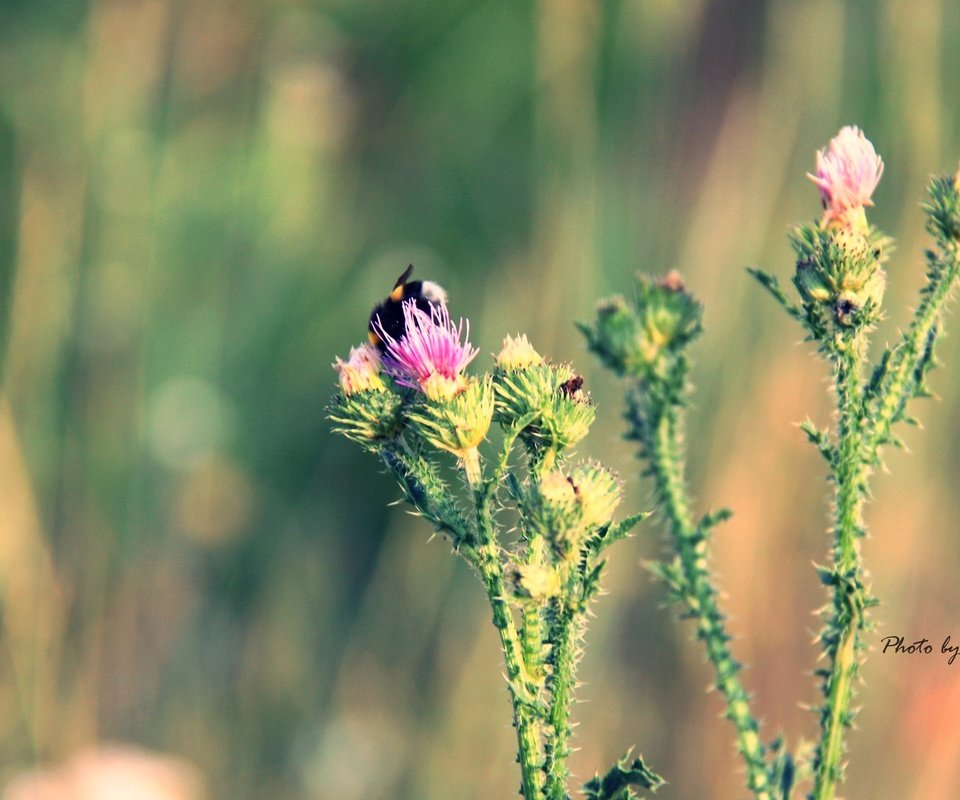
[
  {"x": 360, "y": 372},
  {"x": 429, "y": 356},
  {"x": 848, "y": 171}
]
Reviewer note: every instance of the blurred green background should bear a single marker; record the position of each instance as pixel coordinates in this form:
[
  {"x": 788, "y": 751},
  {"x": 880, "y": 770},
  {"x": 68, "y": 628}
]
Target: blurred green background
[{"x": 199, "y": 204}]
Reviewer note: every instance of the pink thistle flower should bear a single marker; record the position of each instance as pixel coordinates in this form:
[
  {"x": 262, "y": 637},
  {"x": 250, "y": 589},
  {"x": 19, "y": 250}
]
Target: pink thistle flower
[
  {"x": 429, "y": 356},
  {"x": 848, "y": 171}
]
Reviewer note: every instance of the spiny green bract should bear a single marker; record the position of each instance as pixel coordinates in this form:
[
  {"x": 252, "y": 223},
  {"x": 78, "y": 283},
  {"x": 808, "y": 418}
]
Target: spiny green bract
[
  {"x": 599, "y": 492},
  {"x": 458, "y": 424},
  {"x": 838, "y": 273},
  {"x": 567, "y": 508},
  {"x": 368, "y": 418},
  {"x": 633, "y": 339},
  {"x": 943, "y": 207},
  {"x": 551, "y": 395}
]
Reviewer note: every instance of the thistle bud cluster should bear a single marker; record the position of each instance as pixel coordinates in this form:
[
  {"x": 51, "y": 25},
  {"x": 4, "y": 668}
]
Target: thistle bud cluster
[
  {"x": 841, "y": 284},
  {"x": 642, "y": 337},
  {"x": 412, "y": 399}
]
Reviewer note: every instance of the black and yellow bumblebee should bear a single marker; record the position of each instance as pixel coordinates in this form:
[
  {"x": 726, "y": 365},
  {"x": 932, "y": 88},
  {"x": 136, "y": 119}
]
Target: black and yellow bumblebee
[{"x": 388, "y": 315}]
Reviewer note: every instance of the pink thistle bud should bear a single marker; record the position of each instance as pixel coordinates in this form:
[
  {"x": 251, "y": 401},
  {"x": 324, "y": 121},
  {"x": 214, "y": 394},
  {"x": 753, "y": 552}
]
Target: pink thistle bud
[
  {"x": 361, "y": 372},
  {"x": 848, "y": 171},
  {"x": 429, "y": 356}
]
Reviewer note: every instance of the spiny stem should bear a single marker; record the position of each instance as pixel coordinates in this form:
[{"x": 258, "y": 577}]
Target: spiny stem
[
  {"x": 843, "y": 631},
  {"x": 561, "y": 681},
  {"x": 426, "y": 491},
  {"x": 850, "y": 478},
  {"x": 901, "y": 381},
  {"x": 532, "y": 635},
  {"x": 522, "y": 690},
  {"x": 665, "y": 455}
]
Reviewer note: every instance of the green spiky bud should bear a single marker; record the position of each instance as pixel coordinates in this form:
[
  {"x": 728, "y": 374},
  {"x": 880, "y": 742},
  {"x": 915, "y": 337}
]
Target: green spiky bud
[
  {"x": 599, "y": 492},
  {"x": 368, "y": 418},
  {"x": 459, "y": 424},
  {"x": 550, "y": 398},
  {"x": 365, "y": 410},
  {"x": 838, "y": 273},
  {"x": 812, "y": 285},
  {"x": 634, "y": 339}
]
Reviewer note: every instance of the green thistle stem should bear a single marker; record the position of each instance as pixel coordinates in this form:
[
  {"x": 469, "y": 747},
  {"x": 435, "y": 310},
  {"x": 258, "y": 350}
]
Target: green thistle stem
[
  {"x": 532, "y": 635},
  {"x": 842, "y": 636},
  {"x": 561, "y": 681},
  {"x": 665, "y": 454},
  {"x": 850, "y": 477},
  {"x": 426, "y": 491},
  {"x": 523, "y": 691},
  {"x": 903, "y": 377}
]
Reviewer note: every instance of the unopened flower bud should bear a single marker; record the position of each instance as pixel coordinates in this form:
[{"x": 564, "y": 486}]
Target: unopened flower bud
[
  {"x": 634, "y": 339},
  {"x": 550, "y": 399},
  {"x": 516, "y": 354},
  {"x": 599, "y": 492},
  {"x": 557, "y": 491},
  {"x": 838, "y": 271},
  {"x": 943, "y": 207},
  {"x": 364, "y": 409},
  {"x": 369, "y": 418}
]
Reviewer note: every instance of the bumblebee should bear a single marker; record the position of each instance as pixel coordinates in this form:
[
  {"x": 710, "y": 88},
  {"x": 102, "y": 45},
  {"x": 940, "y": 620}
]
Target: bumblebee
[{"x": 426, "y": 294}]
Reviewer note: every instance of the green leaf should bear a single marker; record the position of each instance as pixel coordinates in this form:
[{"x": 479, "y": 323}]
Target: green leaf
[
  {"x": 772, "y": 285},
  {"x": 615, "y": 785},
  {"x": 821, "y": 439}
]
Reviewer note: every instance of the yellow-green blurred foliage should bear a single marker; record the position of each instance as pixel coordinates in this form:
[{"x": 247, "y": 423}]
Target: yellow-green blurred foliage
[{"x": 199, "y": 204}]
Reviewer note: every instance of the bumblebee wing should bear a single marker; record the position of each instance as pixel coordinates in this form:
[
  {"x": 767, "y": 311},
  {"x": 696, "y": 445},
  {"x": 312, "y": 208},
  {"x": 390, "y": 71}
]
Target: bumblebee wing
[{"x": 403, "y": 278}]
